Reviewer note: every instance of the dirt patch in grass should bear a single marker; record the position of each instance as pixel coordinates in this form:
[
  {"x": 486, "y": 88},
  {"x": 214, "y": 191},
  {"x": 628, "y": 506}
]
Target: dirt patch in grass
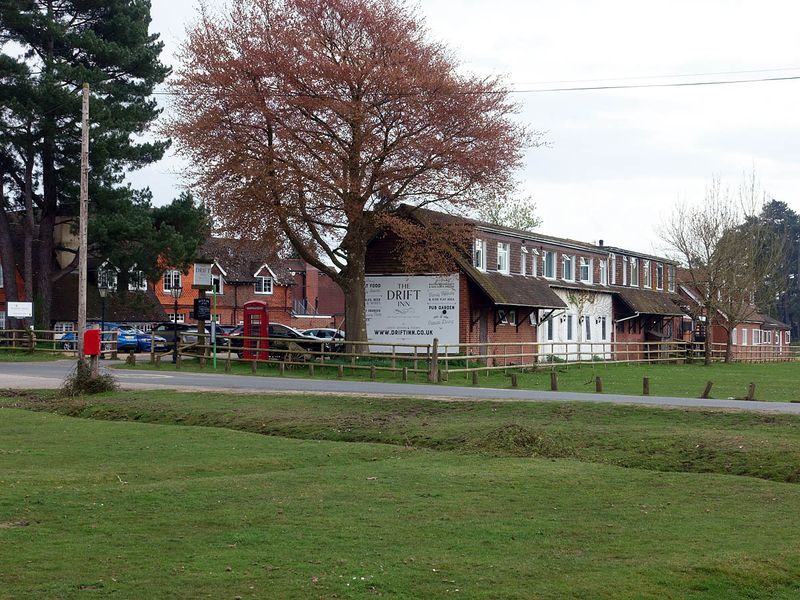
[
  {"x": 13, "y": 524},
  {"x": 517, "y": 440}
]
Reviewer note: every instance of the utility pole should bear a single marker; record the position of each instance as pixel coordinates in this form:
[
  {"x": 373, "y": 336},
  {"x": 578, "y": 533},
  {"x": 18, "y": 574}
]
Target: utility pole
[{"x": 83, "y": 222}]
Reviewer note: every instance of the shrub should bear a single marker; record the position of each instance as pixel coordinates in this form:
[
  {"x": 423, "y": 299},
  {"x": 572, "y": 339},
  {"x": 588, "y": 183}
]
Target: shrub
[{"x": 80, "y": 382}]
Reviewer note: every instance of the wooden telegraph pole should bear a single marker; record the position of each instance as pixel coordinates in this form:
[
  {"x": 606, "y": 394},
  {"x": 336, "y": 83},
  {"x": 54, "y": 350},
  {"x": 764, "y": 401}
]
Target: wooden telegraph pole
[{"x": 83, "y": 222}]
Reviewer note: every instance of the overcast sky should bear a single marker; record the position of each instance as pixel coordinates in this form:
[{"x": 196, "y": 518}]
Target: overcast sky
[{"x": 618, "y": 160}]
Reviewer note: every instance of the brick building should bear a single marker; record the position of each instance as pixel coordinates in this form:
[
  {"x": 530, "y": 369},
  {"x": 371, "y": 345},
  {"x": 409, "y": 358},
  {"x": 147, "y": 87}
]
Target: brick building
[
  {"x": 572, "y": 298},
  {"x": 20, "y": 289},
  {"x": 296, "y": 293}
]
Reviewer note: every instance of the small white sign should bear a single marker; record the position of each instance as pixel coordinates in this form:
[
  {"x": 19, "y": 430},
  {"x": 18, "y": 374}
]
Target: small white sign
[
  {"x": 412, "y": 309},
  {"x": 20, "y": 310},
  {"x": 202, "y": 274}
]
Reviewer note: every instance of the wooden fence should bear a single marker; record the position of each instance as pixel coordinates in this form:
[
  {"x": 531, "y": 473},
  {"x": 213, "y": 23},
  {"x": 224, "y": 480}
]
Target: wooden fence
[{"x": 49, "y": 341}]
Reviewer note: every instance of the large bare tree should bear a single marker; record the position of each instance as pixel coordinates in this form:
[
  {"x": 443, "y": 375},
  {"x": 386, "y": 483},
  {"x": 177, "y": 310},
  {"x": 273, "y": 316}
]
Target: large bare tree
[
  {"x": 727, "y": 254},
  {"x": 314, "y": 121}
]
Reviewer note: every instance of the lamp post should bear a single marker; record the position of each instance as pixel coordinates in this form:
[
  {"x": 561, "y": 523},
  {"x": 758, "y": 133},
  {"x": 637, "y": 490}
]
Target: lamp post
[
  {"x": 176, "y": 292},
  {"x": 102, "y": 288}
]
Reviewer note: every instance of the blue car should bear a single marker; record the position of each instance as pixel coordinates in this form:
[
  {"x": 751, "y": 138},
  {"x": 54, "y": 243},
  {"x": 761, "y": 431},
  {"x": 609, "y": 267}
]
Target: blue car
[{"x": 128, "y": 339}]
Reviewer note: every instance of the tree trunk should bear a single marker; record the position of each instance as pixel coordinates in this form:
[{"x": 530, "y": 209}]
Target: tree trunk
[
  {"x": 729, "y": 347},
  {"x": 355, "y": 320},
  {"x": 709, "y": 343},
  {"x": 7, "y": 258},
  {"x": 47, "y": 223},
  {"x": 28, "y": 227}
]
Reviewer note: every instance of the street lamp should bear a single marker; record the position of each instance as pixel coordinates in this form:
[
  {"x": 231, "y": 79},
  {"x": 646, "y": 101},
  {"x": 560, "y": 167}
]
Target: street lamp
[
  {"x": 176, "y": 292},
  {"x": 102, "y": 288}
]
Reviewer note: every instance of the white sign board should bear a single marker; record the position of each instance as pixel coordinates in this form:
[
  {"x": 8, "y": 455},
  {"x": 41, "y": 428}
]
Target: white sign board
[
  {"x": 20, "y": 310},
  {"x": 411, "y": 309},
  {"x": 202, "y": 274}
]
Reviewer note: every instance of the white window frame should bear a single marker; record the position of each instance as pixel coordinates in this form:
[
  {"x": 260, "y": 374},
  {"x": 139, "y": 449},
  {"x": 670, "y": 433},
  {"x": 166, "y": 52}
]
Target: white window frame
[
  {"x": 523, "y": 261},
  {"x": 587, "y": 320},
  {"x": 625, "y": 270},
  {"x": 603, "y": 328},
  {"x": 549, "y": 254},
  {"x": 634, "y": 266},
  {"x": 2, "y": 319},
  {"x": 671, "y": 281},
  {"x": 181, "y": 317},
  {"x": 107, "y": 276},
  {"x": 479, "y": 254},
  {"x": 217, "y": 282},
  {"x": 659, "y": 276},
  {"x": 733, "y": 337},
  {"x": 550, "y": 332},
  {"x": 507, "y": 317},
  {"x": 567, "y": 258},
  {"x": 534, "y": 263},
  {"x": 587, "y": 263},
  {"x": 171, "y": 276},
  {"x": 646, "y": 274},
  {"x": 261, "y": 279},
  {"x": 2, "y": 281},
  {"x": 503, "y": 257},
  {"x": 137, "y": 282},
  {"x": 744, "y": 336},
  {"x": 569, "y": 325},
  {"x": 603, "y": 267}
]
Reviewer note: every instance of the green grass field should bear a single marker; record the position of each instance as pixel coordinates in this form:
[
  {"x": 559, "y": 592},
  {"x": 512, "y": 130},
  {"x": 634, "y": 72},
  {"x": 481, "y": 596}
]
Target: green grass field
[
  {"x": 37, "y": 356},
  {"x": 774, "y": 381},
  {"x": 482, "y": 500}
]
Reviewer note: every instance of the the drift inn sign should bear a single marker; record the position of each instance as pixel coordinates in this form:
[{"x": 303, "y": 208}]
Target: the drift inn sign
[{"x": 411, "y": 309}]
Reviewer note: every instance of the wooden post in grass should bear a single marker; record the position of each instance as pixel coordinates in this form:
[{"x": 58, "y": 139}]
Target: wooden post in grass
[
  {"x": 394, "y": 356},
  {"x": 514, "y": 382},
  {"x": 372, "y": 372},
  {"x": 158, "y": 360},
  {"x": 310, "y": 369},
  {"x": 152, "y": 347},
  {"x": 707, "y": 392},
  {"x": 751, "y": 391},
  {"x": 433, "y": 374},
  {"x": 645, "y": 386},
  {"x": 178, "y": 361},
  {"x": 405, "y": 373},
  {"x": 598, "y": 384},
  {"x": 340, "y": 371},
  {"x": 228, "y": 363},
  {"x": 281, "y": 368},
  {"x": 554, "y": 380},
  {"x": 254, "y": 366},
  {"x": 475, "y": 377}
]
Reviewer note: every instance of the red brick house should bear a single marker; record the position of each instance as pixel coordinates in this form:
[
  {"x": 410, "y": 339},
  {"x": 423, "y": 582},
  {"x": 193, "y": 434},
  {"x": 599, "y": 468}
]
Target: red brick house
[
  {"x": 572, "y": 298},
  {"x": 296, "y": 293},
  {"x": 20, "y": 289}
]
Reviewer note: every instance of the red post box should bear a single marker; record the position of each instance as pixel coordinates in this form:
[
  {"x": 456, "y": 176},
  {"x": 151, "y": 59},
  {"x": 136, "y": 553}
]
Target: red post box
[{"x": 91, "y": 342}]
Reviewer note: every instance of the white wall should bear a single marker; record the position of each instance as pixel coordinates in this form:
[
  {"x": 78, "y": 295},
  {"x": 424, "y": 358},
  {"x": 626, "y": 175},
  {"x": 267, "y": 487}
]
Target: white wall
[{"x": 583, "y": 306}]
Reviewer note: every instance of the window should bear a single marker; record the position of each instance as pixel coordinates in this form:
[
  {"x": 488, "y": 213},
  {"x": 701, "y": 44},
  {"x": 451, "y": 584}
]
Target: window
[
  {"x": 502, "y": 257},
  {"x": 137, "y": 282},
  {"x": 648, "y": 282},
  {"x": 550, "y": 264},
  {"x": 671, "y": 282},
  {"x": 507, "y": 317},
  {"x": 479, "y": 255},
  {"x": 64, "y": 327},
  {"x": 180, "y": 318},
  {"x": 1, "y": 280},
  {"x": 625, "y": 270},
  {"x": 613, "y": 269},
  {"x": 570, "y": 329},
  {"x": 263, "y": 285},
  {"x": 216, "y": 284},
  {"x": 756, "y": 337},
  {"x": 768, "y": 336},
  {"x": 586, "y": 270},
  {"x": 535, "y": 263},
  {"x": 107, "y": 277},
  {"x": 659, "y": 276},
  {"x": 588, "y": 322},
  {"x": 634, "y": 272},
  {"x": 744, "y": 337},
  {"x": 523, "y": 260},
  {"x": 172, "y": 279},
  {"x": 603, "y": 271},
  {"x": 2, "y": 319},
  {"x": 549, "y": 330},
  {"x": 568, "y": 267},
  {"x": 788, "y": 337},
  {"x": 603, "y": 329}
]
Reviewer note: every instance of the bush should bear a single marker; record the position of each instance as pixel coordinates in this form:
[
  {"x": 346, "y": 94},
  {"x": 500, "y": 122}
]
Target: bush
[{"x": 81, "y": 383}]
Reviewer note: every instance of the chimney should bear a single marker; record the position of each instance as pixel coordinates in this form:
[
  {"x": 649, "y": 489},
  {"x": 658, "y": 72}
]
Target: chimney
[{"x": 600, "y": 243}]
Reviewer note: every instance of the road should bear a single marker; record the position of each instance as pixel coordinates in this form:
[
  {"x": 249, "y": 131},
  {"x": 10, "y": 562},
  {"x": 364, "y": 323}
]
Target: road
[{"x": 38, "y": 375}]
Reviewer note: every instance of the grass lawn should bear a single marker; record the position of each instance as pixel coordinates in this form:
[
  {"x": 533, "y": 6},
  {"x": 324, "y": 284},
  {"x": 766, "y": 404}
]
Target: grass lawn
[
  {"x": 37, "y": 356},
  {"x": 93, "y": 509},
  {"x": 774, "y": 381}
]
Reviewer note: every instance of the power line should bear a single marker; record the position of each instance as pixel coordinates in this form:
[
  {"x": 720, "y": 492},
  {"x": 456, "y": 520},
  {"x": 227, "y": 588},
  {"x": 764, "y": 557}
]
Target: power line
[{"x": 677, "y": 76}]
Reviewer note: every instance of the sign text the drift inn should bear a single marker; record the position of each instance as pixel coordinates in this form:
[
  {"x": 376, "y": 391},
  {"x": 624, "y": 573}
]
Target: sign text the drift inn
[{"x": 411, "y": 309}]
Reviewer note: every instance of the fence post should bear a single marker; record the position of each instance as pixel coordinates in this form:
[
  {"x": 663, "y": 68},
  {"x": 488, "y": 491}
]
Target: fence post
[
  {"x": 310, "y": 369},
  {"x": 598, "y": 384},
  {"x": 340, "y": 371},
  {"x": 707, "y": 391},
  {"x": 751, "y": 391},
  {"x": 433, "y": 374},
  {"x": 475, "y": 378},
  {"x": 514, "y": 382},
  {"x": 554, "y": 380},
  {"x": 645, "y": 386},
  {"x": 31, "y": 341},
  {"x": 372, "y": 372},
  {"x": 152, "y": 347},
  {"x": 281, "y": 368},
  {"x": 228, "y": 363},
  {"x": 405, "y": 373}
]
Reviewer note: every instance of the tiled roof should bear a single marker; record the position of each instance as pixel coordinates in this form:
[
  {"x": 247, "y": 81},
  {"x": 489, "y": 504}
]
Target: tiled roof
[
  {"x": 241, "y": 259},
  {"x": 648, "y": 302},
  {"x": 130, "y": 307}
]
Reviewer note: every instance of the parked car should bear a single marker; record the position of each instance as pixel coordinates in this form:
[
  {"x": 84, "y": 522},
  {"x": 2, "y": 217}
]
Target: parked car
[
  {"x": 129, "y": 338},
  {"x": 281, "y": 337},
  {"x": 335, "y": 337},
  {"x": 167, "y": 331}
]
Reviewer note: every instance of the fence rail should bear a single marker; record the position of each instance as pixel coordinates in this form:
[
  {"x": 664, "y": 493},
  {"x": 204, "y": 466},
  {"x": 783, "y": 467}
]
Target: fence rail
[{"x": 50, "y": 341}]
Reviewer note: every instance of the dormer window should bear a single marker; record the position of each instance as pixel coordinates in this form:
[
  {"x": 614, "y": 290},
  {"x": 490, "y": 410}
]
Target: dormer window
[
  {"x": 523, "y": 260},
  {"x": 659, "y": 276},
  {"x": 648, "y": 282},
  {"x": 586, "y": 270},
  {"x": 568, "y": 267},
  {"x": 603, "y": 271},
  {"x": 263, "y": 285},
  {"x": 107, "y": 277},
  {"x": 479, "y": 255},
  {"x": 503, "y": 263},
  {"x": 634, "y": 263},
  {"x": 549, "y": 264},
  {"x": 172, "y": 279},
  {"x": 137, "y": 282}
]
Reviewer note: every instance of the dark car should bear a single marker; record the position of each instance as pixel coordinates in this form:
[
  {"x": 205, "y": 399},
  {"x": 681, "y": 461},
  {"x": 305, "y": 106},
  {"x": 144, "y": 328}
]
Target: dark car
[
  {"x": 167, "y": 331},
  {"x": 281, "y": 337},
  {"x": 334, "y": 337}
]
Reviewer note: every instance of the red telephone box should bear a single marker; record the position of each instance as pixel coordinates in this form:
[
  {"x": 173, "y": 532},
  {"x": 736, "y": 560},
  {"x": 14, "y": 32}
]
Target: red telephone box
[{"x": 256, "y": 324}]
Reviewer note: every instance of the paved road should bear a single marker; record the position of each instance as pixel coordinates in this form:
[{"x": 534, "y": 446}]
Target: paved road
[{"x": 50, "y": 374}]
